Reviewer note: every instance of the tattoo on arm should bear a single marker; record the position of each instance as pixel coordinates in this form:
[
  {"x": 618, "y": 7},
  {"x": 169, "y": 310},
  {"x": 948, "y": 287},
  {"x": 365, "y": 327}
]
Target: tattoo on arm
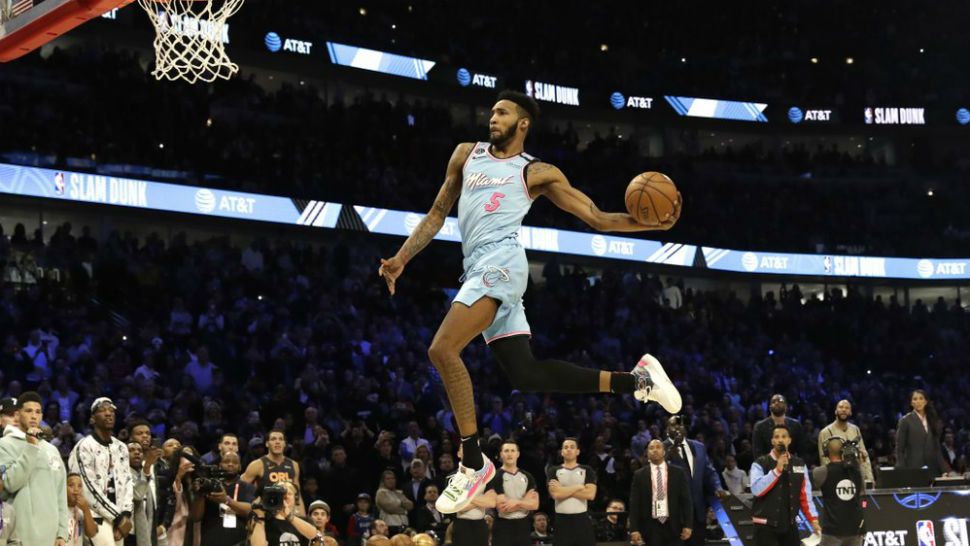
[{"x": 432, "y": 223}]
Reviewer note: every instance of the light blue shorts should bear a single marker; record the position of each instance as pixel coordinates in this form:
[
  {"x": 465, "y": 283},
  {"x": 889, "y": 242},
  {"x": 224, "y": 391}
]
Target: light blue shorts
[{"x": 498, "y": 270}]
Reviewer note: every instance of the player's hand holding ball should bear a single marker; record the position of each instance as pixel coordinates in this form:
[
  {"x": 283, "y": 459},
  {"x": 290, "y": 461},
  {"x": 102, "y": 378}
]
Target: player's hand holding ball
[{"x": 652, "y": 200}]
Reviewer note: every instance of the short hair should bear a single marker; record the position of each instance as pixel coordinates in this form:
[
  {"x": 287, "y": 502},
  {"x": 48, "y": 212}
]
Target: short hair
[
  {"x": 281, "y": 431},
  {"x": 73, "y": 474},
  {"x": 510, "y": 441},
  {"x": 616, "y": 500},
  {"x": 526, "y": 103},
  {"x": 29, "y": 396},
  {"x": 139, "y": 422},
  {"x": 781, "y": 426},
  {"x": 233, "y": 434},
  {"x": 572, "y": 439}
]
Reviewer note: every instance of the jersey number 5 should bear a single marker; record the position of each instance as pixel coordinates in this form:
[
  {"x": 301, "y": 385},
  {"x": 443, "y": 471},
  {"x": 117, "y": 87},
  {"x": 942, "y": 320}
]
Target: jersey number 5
[{"x": 493, "y": 202}]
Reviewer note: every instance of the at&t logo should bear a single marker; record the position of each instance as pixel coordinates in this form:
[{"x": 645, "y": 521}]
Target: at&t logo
[
  {"x": 924, "y": 268},
  {"x": 205, "y": 201},
  {"x": 749, "y": 261},
  {"x": 599, "y": 245}
]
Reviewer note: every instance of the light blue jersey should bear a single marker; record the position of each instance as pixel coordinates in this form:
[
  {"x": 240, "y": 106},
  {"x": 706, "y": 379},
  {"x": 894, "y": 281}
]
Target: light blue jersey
[{"x": 494, "y": 200}]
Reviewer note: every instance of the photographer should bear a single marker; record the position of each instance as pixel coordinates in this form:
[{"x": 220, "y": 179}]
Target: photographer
[
  {"x": 275, "y": 522},
  {"x": 223, "y": 503},
  {"x": 842, "y": 486}
]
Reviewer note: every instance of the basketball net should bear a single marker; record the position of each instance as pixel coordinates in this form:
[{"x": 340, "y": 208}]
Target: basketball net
[{"x": 191, "y": 38}]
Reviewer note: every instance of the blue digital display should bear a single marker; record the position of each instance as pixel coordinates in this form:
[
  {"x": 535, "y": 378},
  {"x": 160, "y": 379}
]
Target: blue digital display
[
  {"x": 379, "y": 61},
  {"x": 109, "y": 190},
  {"x": 718, "y": 109},
  {"x": 963, "y": 116}
]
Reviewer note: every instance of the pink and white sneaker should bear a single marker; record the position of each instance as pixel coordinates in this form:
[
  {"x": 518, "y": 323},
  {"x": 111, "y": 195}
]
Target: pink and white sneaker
[
  {"x": 653, "y": 384},
  {"x": 463, "y": 486}
]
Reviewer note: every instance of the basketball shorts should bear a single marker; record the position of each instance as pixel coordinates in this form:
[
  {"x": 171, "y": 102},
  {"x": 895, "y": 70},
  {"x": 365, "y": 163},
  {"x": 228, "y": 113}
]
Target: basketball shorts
[{"x": 500, "y": 271}]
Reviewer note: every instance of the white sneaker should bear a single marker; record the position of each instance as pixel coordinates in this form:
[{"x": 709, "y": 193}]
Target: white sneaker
[
  {"x": 463, "y": 486},
  {"x": 653, "y": 384}
]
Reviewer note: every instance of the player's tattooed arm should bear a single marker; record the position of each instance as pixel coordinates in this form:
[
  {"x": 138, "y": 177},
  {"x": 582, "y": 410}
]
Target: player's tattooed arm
[
  {"x": 552, "y": 183},
  {"x": 443, "y": 203}
]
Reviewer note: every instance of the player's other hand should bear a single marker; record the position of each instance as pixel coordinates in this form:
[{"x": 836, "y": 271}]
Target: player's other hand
[{"x": 390, "y": 270}]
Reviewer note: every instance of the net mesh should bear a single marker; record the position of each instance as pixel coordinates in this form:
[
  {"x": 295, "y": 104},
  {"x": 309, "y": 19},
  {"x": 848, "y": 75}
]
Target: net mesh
[{"x": 191, "y": 38}]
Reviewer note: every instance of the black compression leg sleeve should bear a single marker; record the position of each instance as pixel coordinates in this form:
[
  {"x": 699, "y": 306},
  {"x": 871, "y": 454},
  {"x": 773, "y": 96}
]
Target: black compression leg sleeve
[{"x": 531, "y": 375}]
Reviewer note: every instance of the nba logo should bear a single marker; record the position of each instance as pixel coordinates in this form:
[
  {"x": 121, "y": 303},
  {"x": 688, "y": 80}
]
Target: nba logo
[
  {"x": 59, "y": 183},
  {"x": 828, "y": 264},
  {"x": 868, "y": 116},
  {"x": 925, "y": 533}
]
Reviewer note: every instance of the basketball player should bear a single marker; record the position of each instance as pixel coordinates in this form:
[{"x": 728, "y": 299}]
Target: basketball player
[
  {"x": 517, "y": 496},
  {"x": 572, "y": 486},
  {"x": 274, "y": 467},
  {"x": 497, "y": 183}
]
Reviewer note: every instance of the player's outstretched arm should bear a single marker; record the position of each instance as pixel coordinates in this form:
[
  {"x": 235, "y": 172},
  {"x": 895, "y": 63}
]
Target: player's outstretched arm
[
  {"x": 551, "y": 182},
  {"x": 429, "y": 226}
]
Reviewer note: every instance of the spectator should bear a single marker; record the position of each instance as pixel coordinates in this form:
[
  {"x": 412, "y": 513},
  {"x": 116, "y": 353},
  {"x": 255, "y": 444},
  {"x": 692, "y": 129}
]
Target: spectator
[
  {"x": 613, "y": 528},
  {"x": 426, "y": 517},
  {"x": 414, "y": 487},
  {"x": 102, "y": 461},
  {"x": 762, "y": 430},
  {"x": 34, "y": 477},
  {"x": 201, "y": 370},
  {"x": 735, "y": 478},
  {"x": 228, "y": 443},
  {"x": 409, "y": 445},
  {"x": 540, "y": 529},
  {"x": 143, "y": 503},
  {"x": 691, "y": 456},
  {"x": 80, "y": 522},
  {"x": 359, "y": 526},
  {"x": 392, "y": 503},
  {"x": 320, "y": 518}
]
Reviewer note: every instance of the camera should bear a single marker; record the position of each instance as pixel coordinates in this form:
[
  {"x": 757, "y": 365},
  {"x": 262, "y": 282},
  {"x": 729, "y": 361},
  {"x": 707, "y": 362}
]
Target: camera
[
  {"x": 208, "y": 478},
  {"x": 271, "y": 501},
  {"x": 850, "y": 451}
]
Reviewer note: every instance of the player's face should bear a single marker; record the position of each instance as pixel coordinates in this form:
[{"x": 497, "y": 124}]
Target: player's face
[
  {"x": 843, "y": 410},
  {"x": 276, "y": 443},
  {"x": 570, "y": 451},
  {"x": 30, "y": 415},
  {"x": 142, "y": 434},
  {"x": 504, "y": 123},
  {"x": 510, "y": 454},
  {"x": 229, "y": 444}
]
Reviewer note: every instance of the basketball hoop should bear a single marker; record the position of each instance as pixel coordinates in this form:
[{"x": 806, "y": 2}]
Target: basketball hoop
[{"x": 190, "y": 38}]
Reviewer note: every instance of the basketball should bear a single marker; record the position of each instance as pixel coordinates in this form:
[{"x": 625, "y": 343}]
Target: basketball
[
  {"x": 423, "y": 539},
  {"x": 652, "y": 198}
]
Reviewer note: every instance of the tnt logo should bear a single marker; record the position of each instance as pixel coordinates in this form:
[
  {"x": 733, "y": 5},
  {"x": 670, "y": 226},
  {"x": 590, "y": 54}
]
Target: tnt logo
[{"x": 925, "y": 535}]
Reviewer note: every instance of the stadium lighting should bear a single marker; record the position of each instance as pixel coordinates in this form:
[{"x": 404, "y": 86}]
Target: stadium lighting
[
  {"x": 362, "y": 11},
  {"x": 604, "y": 47},
  {"x": 929, "y": 193},
  {"x": 849, "y": 60},
  {"x": 814, "y": 60}
]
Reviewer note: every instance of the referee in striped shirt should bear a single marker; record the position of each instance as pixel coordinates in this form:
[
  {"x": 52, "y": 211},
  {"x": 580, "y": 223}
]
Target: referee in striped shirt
[{"x": 517, "y": 497}]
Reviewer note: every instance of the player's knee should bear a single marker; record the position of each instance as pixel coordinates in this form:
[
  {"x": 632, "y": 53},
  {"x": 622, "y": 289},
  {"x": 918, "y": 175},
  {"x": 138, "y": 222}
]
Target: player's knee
[{"x": 440, "y": 354}]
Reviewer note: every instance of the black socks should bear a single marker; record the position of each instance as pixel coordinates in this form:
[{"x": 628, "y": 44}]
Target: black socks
[
  {"x": 622, "y": 383},
  {"x": 471, "y": 453}
]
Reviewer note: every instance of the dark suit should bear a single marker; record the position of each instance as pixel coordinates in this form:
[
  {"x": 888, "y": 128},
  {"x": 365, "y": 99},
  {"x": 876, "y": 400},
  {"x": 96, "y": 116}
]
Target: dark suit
[
  {"x": 761, "y": 437},
  {"x": 679, "y": 506},
  {"x": 703, "y": 479},
  {"x": 915, "y": 447},
  {"x": 423, "y": 520}
]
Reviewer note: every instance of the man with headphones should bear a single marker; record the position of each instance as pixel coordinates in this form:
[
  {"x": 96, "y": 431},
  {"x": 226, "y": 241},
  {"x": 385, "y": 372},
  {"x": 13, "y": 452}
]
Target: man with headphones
[
  {"x": 842, "y": 428},
  {"x": 842, "y": 486}
]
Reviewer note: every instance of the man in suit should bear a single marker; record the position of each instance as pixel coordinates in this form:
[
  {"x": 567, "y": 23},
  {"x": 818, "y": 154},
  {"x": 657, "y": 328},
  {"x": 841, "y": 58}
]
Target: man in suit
[
  {"x": 761, "y": 434},
  {"x": 691, "y": 457},
  {"x": 426, "y": 517},
  {"x": 661, "y": 511},
  {"x": 143, "y": 513}
]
